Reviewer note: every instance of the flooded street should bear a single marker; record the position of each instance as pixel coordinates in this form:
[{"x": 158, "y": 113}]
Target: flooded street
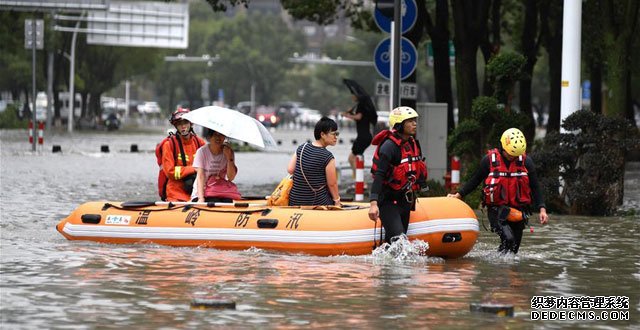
[{"x": 50, "y": 282}]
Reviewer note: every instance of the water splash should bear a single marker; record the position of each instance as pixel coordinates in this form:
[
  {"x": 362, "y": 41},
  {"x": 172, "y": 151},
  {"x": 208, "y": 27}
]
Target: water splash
[{"x": 402, "y": 250}]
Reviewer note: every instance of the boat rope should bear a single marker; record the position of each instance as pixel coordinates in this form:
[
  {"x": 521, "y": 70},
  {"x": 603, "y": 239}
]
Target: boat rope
[
  {"x": 171, "y": 207},
  {"x": 377, "y": 243},
  {"x": 230, "y": 210},
  {"x": 482, "y": 220},
  {"x": 143, "y": 208}
]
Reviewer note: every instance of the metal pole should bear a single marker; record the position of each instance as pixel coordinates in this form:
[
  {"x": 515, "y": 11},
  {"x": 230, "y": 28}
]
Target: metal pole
[
  {"x": 127, "y": 85},
  {"x": 571, "y": 39},
  {"x": 393, "y": 101},
  {"x": 72, "y": 63},
  {"x": 33, "y": 83},
  {"x": 253, "y": 99},
  {"x": 397, "y": 55},
  {"x": 49, "y": 91}
]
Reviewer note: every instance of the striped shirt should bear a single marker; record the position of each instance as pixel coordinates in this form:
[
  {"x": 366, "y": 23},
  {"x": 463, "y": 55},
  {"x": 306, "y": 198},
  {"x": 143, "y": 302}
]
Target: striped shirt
[{"x": 314, "y": 162}]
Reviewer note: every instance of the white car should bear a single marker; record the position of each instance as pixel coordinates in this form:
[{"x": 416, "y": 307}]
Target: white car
[
  {"x": 308, "y": 117},
  {"x": 149, "y": 107},
  {"x": 383, "y": 120}
]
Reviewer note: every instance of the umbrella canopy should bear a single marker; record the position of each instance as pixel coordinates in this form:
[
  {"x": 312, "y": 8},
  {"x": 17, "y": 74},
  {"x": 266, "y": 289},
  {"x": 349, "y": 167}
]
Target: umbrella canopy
[
  {"x": 364, "y": 100},
  {"x": 355, "y": 88},
  {"x": 233, "y": 124}
]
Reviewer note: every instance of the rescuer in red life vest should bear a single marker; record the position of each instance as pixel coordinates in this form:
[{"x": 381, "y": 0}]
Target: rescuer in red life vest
[
  {"x": 177, "y": 158},
  {"x": 511, "y": 187},
  {"x": 399, "y": 172}
]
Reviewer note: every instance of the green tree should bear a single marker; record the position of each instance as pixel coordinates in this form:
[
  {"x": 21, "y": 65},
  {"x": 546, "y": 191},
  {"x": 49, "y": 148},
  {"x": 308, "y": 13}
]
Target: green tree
[
  {"x": 438, "y": 31},
  {"x": 620, "y": 30},
  {"x": 470, "y": 21},
  {"x": 529, "y": 45},
  {"x": 551, "y": 32},
  {"x": 253, "y": 50},
  {"x": 15, "y": 60},
  {"x": 325, "y": 89},
  {"x": 182, "y": 81},
  {"x": 593, "y": 50},
  {"x": 590, "y": 163},
  {"x": 503, "y": 71},
  {"x": 100, "y": 68}
]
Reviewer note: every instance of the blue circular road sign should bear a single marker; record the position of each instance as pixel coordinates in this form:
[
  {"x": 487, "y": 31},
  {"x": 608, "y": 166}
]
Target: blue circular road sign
[
  {"x": 382, "y": 58},
  {"x": 409, "y": 17}
]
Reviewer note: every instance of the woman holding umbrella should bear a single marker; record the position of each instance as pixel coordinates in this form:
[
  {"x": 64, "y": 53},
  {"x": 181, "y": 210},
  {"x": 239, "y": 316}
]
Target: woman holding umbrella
[
  {"x": 364, "y": 114},
  {"x": 214, "y": 159}
]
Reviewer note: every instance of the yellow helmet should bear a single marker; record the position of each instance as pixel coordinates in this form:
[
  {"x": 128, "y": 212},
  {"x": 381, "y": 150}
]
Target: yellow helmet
[
  {"x": 513, "y": 142},
  {"x": 400, "y": 114}
]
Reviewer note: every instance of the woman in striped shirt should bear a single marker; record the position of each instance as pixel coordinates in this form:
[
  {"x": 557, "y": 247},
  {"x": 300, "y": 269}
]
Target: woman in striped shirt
[{"x": 314, "y": 168}]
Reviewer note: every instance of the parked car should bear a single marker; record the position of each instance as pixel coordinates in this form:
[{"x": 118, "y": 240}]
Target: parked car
[
  {"x": 244, "y": 107},
  {"x": 149, "y": 108},
  {"x": 308, "y": 117},
  {"x": 267, "y": 116},
  {"x": 383, "y": 121},
  {"x": 288, "y": 111}
]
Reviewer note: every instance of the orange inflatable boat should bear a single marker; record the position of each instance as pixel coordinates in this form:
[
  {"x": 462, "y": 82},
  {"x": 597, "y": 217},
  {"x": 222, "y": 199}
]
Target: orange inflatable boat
[{"x": 447, "y": 224}]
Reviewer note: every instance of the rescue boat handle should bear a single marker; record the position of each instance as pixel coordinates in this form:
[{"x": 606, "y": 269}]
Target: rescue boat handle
[{"x": 170, "y": 204}]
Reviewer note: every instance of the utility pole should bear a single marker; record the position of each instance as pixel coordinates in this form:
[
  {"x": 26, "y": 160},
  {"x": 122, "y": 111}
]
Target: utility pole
[
  {"x": 33, "y": 32},
  {"x": 72, "y": 75},
  {"x": 571, "y": 41},
  {"x": 396, "y": 29}
]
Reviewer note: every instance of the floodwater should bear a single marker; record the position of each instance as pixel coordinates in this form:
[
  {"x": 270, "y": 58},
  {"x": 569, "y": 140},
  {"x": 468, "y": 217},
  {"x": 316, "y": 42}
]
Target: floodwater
[{"x": 50, "y": 282}]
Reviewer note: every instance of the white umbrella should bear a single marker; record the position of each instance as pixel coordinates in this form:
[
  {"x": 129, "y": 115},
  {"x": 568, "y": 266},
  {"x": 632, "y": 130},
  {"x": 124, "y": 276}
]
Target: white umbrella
[{"x": 233, "y": 124}]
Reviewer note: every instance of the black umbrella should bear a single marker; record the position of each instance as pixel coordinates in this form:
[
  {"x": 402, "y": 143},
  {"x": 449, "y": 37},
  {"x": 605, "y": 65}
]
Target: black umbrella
[
  {"x": 355, "y": 88},
  {"x": 364, "y": 99}
]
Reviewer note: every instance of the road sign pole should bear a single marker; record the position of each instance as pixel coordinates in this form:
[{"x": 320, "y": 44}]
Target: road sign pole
[
  {"x": 397, "y": 55},
  {"x": 72, "y": 75},
  {"x": 392, "y": 72},
  {"x": 33, "y": 81}
]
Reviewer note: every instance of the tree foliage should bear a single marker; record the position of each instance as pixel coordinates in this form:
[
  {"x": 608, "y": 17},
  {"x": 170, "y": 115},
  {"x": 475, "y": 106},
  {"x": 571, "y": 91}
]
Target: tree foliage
[
  {"x": 15, "y": 60},
  {"x": 503, "y": 71},
  {"x": 590, "y": 161},
  {"x": 620, "y": 29},
  {"x": 223, "y": 5},
  {"x": 100, "y": 68}
]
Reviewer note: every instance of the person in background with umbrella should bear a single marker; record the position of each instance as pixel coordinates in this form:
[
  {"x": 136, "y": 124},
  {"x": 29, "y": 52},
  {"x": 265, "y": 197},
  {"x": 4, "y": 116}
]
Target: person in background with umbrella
[
  {"x": 314, "y": 168},
  {"x": 364, "y": 114},
  {"x": 215, "y": 158}
]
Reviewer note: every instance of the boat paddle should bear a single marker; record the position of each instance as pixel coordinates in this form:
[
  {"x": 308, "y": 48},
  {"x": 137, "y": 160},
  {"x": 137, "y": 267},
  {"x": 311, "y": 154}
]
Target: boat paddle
[{"x": 170, "y": 204}]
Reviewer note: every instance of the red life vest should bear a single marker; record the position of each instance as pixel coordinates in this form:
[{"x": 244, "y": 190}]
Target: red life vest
[
  {"x": 506, "y": 186},
  {"x": 162, "y": 177},
  {"x": 411, "y": 172}
]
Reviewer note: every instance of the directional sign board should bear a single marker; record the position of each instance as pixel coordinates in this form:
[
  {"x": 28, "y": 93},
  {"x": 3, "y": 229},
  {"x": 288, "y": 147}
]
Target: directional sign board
[
  {"x": 407, "y": 90},
  {"x": 409, "y": 17},
  {"x": 382, "y": 58},
  {"x": 140, "y": 24}
]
